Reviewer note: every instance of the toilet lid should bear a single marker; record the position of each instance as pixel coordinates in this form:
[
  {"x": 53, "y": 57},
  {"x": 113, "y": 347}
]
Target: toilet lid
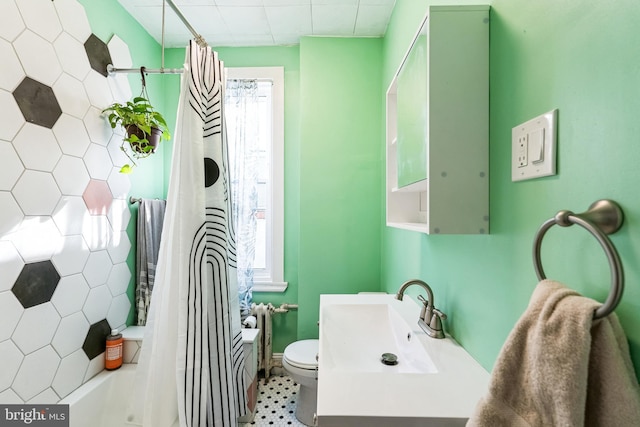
[{"x": 302, "y": 354}]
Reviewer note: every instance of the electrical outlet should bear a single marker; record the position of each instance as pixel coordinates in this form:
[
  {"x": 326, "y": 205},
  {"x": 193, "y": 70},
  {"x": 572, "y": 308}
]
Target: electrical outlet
[
  {"x": 523, "y": 151},
  {"x": 533, "y": 147}
]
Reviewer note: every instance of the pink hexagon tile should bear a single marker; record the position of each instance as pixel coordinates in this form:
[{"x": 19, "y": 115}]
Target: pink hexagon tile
[{"x": 97, "y": 196}]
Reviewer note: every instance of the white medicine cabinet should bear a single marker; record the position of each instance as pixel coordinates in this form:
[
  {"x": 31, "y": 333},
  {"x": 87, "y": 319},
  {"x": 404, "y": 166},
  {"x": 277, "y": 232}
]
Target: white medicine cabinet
[{"x": 437, "y": 124}]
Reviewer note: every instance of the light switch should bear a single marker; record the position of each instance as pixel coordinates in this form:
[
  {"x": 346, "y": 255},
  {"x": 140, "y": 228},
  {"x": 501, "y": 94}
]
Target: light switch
[
  {"x": 536, "y": 145},
  {"x": 533, "y": 147}
]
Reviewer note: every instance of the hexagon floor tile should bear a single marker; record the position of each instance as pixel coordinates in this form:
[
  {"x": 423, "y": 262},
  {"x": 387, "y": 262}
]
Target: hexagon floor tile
[
  {"x": 34, "y": 51},
  {"x": 37, "y": 193},
  {"x": 11, "y": 119},
  {"x": 74, "y": 19},
  {"x": 71, "y": 256},
  {"x": 37, "y": 147},
  {"x": 10, "y": 166},
  {"x": 70, "y": 294},
  {"x": 95, "y": 341},
  {"x": 11, "y": 358},
  {"x": 70, "y": 215},
  {"x": 98, "y": 53},
  {"x": 71, "y": 176},
  {"x": 11, "y": 310},
  {"x": 10, "y": 267},
  {"x": 72, "y": 56},
  {"x": 41, "y": 17},
  {"x": 11, "y": 23},
  {"x": 12, "y": 72},
  {"x": 70, "y": 373},
  {"x": 70, "y": 334},
  {"x": 36, "y": 328}
]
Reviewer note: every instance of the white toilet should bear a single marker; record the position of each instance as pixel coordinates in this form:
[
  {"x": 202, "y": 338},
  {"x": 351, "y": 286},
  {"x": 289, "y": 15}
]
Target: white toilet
[{"x": 301, "y": 363}]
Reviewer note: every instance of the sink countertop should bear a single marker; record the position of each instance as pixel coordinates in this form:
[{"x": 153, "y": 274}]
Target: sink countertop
[{"x": 446, "y": 397}]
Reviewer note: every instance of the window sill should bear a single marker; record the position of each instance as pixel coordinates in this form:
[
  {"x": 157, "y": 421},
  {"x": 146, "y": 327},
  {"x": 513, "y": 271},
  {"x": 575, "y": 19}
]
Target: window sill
[{"x": 270, "y": 286}]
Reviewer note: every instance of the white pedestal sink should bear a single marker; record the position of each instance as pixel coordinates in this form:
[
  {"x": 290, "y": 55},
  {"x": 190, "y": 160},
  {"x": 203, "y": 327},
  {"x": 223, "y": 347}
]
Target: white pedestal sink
[{"x": 434, "y": 383}]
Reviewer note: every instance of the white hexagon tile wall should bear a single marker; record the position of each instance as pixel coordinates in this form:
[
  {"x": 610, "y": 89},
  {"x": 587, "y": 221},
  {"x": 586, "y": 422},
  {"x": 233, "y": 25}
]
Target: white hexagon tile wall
[{"x": 63, "y": 240}]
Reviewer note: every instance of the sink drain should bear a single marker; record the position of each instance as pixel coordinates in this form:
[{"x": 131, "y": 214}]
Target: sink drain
[{"x": 389, "y": 359}]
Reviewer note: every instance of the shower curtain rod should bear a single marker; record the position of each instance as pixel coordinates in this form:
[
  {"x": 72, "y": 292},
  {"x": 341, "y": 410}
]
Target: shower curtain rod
[{"x": 199, "y": 39}]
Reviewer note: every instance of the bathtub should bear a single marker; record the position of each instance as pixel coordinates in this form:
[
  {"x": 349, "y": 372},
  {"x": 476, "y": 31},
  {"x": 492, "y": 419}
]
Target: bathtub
[{"x": 103, "y": 400}]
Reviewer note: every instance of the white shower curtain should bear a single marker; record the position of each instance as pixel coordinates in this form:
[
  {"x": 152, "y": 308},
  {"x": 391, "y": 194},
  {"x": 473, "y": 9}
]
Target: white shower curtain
[{"x": 191, "y": 365}]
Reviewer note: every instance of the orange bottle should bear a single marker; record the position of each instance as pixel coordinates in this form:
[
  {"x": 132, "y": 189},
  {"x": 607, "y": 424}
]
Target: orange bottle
[{"x": 113, "y": 352}]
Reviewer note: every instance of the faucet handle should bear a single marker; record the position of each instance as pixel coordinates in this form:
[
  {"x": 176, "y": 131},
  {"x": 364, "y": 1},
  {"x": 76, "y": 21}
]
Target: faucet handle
[
  {"x": 423, "y": 311},
  {"x": 436, "y": 322}
]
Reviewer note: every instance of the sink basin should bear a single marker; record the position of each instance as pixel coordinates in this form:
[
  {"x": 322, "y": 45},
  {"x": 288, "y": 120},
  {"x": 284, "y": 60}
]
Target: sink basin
[
  {"x": 434, "y": 383},
  {"x": 357, "y": 335}
]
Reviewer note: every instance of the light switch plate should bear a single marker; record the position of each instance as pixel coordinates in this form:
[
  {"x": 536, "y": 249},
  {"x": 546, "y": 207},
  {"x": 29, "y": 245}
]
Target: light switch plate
[{"x": 533, "y": 147}]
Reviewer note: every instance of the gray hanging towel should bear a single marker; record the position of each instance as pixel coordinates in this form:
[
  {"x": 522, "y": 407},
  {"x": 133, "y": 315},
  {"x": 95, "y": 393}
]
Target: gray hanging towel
[{"x": 149, "y": 234}]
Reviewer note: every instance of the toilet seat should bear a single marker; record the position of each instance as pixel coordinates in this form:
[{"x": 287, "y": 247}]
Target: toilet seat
[{"x": 302, "y": 354}]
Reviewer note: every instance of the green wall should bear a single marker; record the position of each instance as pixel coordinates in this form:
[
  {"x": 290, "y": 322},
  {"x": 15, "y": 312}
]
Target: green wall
[
  {"x": 582, "y": 59},
  {"x": 340, "y": 171}
]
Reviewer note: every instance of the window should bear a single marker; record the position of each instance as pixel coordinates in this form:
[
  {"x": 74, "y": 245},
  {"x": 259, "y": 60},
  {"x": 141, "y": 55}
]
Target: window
[{"x": 268, "y": 262}]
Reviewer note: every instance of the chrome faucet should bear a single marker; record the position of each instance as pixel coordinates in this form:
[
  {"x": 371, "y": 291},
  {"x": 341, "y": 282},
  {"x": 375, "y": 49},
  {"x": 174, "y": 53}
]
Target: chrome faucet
[{"x": 430, "y": 317}]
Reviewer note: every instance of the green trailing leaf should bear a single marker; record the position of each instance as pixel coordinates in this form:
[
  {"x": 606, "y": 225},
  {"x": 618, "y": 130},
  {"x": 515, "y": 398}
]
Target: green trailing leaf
[{"x": 126, "y": 169}]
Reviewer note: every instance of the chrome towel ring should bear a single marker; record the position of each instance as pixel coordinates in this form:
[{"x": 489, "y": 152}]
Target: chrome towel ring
[{"x": 603, "y": 217}]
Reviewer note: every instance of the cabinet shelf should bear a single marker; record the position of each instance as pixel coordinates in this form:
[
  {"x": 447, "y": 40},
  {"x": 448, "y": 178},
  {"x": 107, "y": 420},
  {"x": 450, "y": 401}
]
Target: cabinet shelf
[{"x": 449, "y": 59}]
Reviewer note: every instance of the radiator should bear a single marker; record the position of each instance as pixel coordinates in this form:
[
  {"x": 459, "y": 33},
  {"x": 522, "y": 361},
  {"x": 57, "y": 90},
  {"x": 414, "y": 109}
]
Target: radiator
[{"x": 263, "y": 313}]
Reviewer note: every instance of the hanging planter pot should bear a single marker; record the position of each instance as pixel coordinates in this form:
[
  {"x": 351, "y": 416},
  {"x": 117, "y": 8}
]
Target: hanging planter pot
[
  {"x": 142, "y": 142},
  {"x": 144, "y": 128}
]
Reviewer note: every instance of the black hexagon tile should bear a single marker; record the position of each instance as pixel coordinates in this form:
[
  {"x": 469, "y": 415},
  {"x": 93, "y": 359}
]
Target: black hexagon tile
[
  {"x": 98, "y": 54},
  {"x": 36, "y": 283},
  {"x": 96, "y": 339},
  {"x": 37, "y": 102}
]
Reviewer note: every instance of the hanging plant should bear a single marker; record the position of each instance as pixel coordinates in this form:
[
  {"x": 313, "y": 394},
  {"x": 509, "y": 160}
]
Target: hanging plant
[{"x": 144, "y": 126}]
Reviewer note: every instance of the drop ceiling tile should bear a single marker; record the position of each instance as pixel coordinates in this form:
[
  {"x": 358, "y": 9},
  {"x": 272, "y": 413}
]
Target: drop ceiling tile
[
  {"x": 11, "y": 359},
  {"x": 98, "y": 163},
  {"x": 37, "y": 147},
  {"x": 70, "y": 335},
  {"x": 119, "y": 214},
  {"x": 69, "y": 215},
  {"x": 97, "y": 269},
  {"x": 253, "y": 39},
  {"x": 11, "y": 23},
  {"x": 71, "y": 135},
  {"x": 239, "y": 3},
  {"x": 10, "y": 267},
  {"x": 71, "y": 176},
  {"x": 40, "y": 16},
  {"x": 70, "y": 373},
  {"x": 269, "y": 3},
  {"x": 11, "y": 215},
  {"x": 12, "y": 72},
  {"x": 74, "y": 19},
  {"x": 34, "y": 52},
  {"x": 96, "y": 231},
  {"x": 10, "y": 166},
  {"x": 372, "y": 20},
  {"x": 36, "y": 373},
  {"x": 36, "y": 193},
  {"x": 290, "y": 19},
  {"x": 72, "y": 56},
  {"x": 71, "y": 96},
  {"x": 119, "y": 278},
  {"x": 11, "y": 119},
  {"x": 119, "y": 247},
  {"x": 97, "y": 126},
  {"x": 247, "y": 20},
  {"x": 97, "y": 304},
  {"x": 203, "y": 19},
  {"x": 11, "y": 310},
  {"x": 119, "y": 311},
  {"x": 334, "y": 19},
  {"x": 71, "y": 257},
  {"x": 70, "y": 294},
  {"x": 286, "y": 39},
  {"x": 98, "y": 197},
  {"x": 36, "y": 327},
  {"x": 98, "y": 90}
]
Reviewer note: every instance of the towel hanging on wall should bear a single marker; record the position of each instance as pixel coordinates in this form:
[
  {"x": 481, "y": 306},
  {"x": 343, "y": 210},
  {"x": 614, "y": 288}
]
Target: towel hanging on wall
[
  {"x": 560, "y": 367},
  {"x": 149, "y": 235}
]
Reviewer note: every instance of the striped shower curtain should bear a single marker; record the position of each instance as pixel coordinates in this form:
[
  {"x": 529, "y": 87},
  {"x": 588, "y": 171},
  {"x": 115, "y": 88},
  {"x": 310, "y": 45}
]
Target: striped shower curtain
[{"x": 191, "y": 366}]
